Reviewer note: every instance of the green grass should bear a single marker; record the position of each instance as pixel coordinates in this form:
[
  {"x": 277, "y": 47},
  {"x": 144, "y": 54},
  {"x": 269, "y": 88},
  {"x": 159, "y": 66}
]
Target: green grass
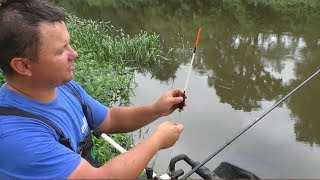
[
  {"x": 107, "y": 58},
  {"x": 104, "y": 151},
  {"x": 105, "y": 68}
]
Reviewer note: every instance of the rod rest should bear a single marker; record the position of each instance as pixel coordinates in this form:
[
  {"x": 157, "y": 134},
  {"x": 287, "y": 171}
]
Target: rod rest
[{"x": 203, "y": 172}]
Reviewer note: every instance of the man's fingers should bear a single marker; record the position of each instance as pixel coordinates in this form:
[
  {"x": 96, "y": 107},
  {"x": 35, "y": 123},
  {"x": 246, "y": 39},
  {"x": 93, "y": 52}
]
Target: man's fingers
[
  {"x": 177, "y": 100},
  {"x": 177, "y": 92},
  {"x": 178, "y": 126}
]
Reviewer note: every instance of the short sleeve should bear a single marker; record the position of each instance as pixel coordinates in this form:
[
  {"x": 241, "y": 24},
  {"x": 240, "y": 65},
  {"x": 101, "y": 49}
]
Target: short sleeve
[{"x": 30, "y": 152}]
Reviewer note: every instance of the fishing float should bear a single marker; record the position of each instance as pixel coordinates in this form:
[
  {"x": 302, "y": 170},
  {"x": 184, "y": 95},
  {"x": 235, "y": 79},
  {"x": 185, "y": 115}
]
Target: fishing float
[{"x": 181, "y": 104}]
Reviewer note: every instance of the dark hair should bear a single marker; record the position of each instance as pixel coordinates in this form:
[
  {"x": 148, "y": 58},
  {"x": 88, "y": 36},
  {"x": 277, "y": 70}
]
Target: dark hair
[{"x": 19, "y": 24}]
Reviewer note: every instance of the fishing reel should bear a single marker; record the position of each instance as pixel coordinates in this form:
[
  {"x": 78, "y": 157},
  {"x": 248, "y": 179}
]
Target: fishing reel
[{"x": 225, "y": 170}]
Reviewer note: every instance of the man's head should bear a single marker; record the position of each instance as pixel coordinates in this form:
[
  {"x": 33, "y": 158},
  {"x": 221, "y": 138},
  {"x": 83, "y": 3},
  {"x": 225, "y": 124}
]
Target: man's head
[{"x": 21, "y": 31}]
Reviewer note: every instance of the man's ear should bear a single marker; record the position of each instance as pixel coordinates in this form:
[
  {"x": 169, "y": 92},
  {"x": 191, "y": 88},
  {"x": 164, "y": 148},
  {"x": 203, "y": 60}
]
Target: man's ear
[{"x": 21, "y": 66}]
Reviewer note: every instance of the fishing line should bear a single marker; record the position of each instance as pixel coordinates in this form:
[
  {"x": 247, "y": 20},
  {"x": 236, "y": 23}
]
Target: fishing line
[
  {"x": 249, "y": 126},
  {"x": 181, "y": 104}
]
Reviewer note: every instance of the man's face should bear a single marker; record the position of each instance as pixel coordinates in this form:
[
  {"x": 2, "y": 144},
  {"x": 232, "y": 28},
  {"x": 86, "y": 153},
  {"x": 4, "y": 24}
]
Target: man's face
[{"x": 55, "y": 60}]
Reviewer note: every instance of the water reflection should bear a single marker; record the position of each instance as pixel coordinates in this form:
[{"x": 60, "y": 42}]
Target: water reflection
[
  {"x": 239, "y": 76},
  {"x": 250, "y": 53},
  {"x": 304, "y": 105}
]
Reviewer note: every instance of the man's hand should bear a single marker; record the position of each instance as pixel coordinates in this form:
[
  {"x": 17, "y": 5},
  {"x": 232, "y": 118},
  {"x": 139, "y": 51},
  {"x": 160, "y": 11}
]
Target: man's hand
[
  {"x": 169, "y": 102},
  {"x": 130, "y": 164},
  {"x": 167, "y": 134}
]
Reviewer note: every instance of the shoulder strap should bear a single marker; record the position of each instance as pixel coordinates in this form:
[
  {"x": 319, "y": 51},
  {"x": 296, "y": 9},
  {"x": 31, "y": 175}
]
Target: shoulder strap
[
  {"x": 85, "y": 108},
  {"x": 9, "y": 111},
  {"x": 83, "y": 105}
]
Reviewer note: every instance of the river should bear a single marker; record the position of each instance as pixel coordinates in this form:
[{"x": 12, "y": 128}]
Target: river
[{"x": 248, "y": 57}]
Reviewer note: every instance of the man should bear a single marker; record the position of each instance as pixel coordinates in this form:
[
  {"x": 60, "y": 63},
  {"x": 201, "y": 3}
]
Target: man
[{"x": 37, "y": 61}]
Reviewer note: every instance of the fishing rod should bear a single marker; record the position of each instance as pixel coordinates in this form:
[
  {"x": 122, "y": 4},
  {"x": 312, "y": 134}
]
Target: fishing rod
[
  {"x": 249, "y": 126},
  {"x": 181, "y": 104}
]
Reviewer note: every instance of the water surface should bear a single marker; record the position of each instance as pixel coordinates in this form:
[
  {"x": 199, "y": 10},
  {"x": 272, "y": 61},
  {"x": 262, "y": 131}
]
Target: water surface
[{"x": 248, "y": 58}]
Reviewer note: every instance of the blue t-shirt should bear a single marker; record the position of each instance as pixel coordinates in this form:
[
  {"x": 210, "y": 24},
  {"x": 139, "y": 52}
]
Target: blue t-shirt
[{"x": 29, "y": 148}]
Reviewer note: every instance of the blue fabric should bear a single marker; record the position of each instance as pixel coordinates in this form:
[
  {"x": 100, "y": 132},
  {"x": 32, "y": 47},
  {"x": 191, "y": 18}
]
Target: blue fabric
[{"x": 29, "y": 148}]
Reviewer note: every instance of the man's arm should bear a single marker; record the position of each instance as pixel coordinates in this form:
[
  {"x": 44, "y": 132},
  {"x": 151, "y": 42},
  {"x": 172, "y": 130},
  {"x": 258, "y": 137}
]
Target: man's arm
[
  {"x": 127, "y": 119},
  {"x": 130, "y": 164}
]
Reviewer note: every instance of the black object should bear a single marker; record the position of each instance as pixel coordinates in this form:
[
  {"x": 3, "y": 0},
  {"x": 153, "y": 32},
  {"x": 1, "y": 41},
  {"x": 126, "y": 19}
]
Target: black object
[
  {"x": 204, "y": 172},
  {"x": 149, "y": 173},
  {"x": 229, "y": 171},
  {"x": 181, "y": 104},
  {"x": 225, "y": 170}
]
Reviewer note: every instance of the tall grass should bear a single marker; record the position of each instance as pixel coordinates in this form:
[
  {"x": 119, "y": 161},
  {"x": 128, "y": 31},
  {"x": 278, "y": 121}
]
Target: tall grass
[
  {"x": 105, "y": 55},
  {"x": 103, "y": 67}
]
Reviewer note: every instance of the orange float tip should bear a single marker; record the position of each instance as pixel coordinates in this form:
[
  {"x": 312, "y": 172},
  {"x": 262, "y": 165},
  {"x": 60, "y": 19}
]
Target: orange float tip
[{"x": 198, "y": 37}]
